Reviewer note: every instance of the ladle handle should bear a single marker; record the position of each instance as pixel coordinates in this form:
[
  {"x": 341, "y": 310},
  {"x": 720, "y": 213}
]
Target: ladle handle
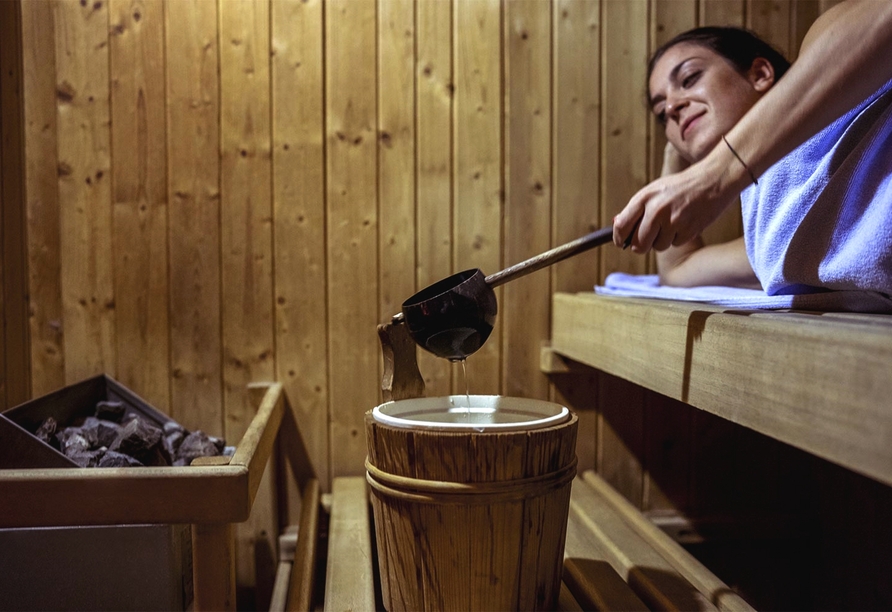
[{"x": 580, "y": 245}]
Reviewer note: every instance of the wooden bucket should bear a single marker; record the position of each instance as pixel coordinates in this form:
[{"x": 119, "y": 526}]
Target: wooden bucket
[{"x": 470, "y": 510}]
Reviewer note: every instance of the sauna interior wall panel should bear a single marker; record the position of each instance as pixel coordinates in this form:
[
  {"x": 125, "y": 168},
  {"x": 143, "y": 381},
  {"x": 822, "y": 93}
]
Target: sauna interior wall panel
[
  {"x": 14, "y": 362},
  {"x": 139, "y": 198},
  {"x": 396, "y": 153},
  {"x": 352, "y": 225},
  {"x": 298, "y": 184},
  {"x": 528, "y": 179},
  {"x": 624, "y": 122},
  {"x": 41, "y": 202},
  {"x": 194, "y": 243},
  {"x": 434, "y": 93},
  {"x": 478, "y": 174},
  {"x": 246, "y": 260},
  {"x": 84, "y": 164},
  {"x": 217, "y": 192}
]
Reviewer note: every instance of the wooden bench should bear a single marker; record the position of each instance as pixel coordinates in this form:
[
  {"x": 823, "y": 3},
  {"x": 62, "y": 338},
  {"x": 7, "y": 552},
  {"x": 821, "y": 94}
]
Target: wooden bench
[
  {"x": 819, "y": 382},
  {"x": 615, "y": 558}
]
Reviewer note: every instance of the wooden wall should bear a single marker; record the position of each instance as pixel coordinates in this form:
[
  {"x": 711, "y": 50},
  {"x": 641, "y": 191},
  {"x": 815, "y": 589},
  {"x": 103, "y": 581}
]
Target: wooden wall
[{"x": 198, "y": 194}]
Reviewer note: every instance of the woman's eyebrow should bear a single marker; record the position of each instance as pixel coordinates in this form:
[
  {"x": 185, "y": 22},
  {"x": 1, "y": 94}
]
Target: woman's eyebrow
[{"x": 673, "y": 76}]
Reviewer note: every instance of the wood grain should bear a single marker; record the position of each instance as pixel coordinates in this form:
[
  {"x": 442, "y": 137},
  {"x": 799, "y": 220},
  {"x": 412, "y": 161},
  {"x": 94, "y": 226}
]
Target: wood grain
[
  {"x": 686, "y": 564},
  {"x": 14, "y": 278},
  {"x": 139, "y": 195},
  {"x": 349, "y": 583},
  {"x": 434, "y": 88},
  {"x": 528, "y": 180},
  {"x": 42, "y": 198},
  {"x": 783, "y": 374},
  {"x": 623, "y": 125},
  {"x": 299, "y": 211},
  {"x": 396, "y": 154},
  {"x": 213, "y": 552},
  {"x": 477, "y": 132},
  {"x": 303, "y": 571},
  {"x": 85, "y": 220},
  {"x": 352, "y": 226},
  {"x": 194, "y": 215}
]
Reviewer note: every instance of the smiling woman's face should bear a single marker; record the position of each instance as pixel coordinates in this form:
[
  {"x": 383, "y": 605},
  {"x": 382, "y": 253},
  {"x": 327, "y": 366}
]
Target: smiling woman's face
[{"x": 698, "y": 95}]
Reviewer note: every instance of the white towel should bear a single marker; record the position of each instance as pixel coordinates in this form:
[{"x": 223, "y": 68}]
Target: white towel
[
  {"x": 821, "y": 218},
  {"x": 648, "y": 286}
]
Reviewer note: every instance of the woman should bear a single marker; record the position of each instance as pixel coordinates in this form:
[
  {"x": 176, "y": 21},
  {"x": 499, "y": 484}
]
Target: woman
[{"x": 791, "y": 145}]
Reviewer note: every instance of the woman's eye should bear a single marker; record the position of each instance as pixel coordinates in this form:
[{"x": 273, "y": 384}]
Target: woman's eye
[
  {"x": 661, "y": 117},
  {"x": 690, "y": 79}
]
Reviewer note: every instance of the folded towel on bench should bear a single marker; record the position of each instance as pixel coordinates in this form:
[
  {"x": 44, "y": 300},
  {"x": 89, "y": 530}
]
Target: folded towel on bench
[{"x": 648, "y": 286}]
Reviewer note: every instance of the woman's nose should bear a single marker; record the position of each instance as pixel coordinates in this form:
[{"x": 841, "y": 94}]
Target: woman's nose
[{"x": 674, "y": 104}]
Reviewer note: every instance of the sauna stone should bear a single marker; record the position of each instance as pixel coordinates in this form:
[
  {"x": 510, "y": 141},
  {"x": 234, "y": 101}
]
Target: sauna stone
[
  {"x": 110, "y": 411},
  {"x": 141, "y": 441},
  {"x": 198, "y": 444}
]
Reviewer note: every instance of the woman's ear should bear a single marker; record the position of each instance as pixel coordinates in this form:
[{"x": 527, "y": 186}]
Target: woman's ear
[{"x": 761, "y": 74}]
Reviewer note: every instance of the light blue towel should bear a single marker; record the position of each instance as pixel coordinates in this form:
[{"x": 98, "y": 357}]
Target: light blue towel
[
  {"x": 821, "y": 218},
  {"x": 648, "y": 286}
]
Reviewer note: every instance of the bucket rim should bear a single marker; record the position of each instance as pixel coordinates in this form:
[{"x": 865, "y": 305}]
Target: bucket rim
[{"x": 434, "y": 413}]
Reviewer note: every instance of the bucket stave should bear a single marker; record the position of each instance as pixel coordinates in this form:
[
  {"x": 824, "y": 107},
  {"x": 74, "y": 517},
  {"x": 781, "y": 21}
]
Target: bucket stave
[{"x": 471, "y": 520}]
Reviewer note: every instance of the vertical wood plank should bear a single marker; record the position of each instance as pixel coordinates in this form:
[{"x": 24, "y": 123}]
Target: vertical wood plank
[
  {"x": 624, "y": 124},
  {"x": 194, "y": 214},
  {"x": 396, "y": 154},
  {"x": 433, "y": 117},
  {"x": 42, "y": 193},
  {"x": 82, "y": 59},
  {"x": 667, "y": 453},
  {"x": 477, "y": 131},
  {"x": 14, "y": 303},
  {"x": 526, "y": 301},
  {"x": 576, "y": 128},
  {"x": 139, "y": 194},
  {"x": 4, "y": 32},
  {"x": 299, "y": 212},
  {"x": 722, "y": 12},
  {"x": 351, "y": 163},
  {"x": 246, "y": 247},
  {"x": 621, "y": 436},
  {"x": 213, "y": 558},
  {"x": 772, "y": 20}
]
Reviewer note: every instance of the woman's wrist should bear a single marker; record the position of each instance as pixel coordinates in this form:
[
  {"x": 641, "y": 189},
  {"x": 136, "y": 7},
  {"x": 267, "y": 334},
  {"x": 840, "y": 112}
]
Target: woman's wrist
[{"x": 728, "y": 171}]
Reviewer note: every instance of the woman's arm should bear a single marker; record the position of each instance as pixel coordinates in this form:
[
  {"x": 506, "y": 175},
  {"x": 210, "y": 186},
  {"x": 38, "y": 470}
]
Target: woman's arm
[
  {"x": 845, "y": 57},
  {"x": 693, "y": 264}
]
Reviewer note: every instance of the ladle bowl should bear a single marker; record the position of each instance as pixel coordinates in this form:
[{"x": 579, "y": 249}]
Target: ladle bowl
[{"x": 453, "y": 317}]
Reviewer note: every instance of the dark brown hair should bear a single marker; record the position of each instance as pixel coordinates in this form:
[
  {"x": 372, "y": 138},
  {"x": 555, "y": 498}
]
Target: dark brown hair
[{"x": 737, "y": 45}]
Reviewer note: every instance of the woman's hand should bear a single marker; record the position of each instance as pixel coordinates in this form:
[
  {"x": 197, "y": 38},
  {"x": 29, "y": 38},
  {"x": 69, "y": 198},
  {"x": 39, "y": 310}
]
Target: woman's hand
[{"x": 676, "y": 208}]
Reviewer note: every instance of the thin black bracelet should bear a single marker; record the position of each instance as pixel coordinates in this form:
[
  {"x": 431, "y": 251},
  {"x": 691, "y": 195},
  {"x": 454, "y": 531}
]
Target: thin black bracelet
[{"x": 752, "y": 176}]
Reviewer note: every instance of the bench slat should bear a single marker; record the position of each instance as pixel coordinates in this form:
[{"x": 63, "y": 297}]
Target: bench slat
[
  {"x": 653, "y": 579},
  {"x": 689, "y": 567},
  {"x": 350, "y": 579}
]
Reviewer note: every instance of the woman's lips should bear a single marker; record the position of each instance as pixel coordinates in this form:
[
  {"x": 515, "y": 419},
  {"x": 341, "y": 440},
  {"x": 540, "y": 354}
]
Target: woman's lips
[{"x": 689, "y": 124}]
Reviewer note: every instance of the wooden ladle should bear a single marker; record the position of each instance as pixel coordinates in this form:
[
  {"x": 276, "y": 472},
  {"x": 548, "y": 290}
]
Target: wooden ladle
[{"x": 453, "y": 317}]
